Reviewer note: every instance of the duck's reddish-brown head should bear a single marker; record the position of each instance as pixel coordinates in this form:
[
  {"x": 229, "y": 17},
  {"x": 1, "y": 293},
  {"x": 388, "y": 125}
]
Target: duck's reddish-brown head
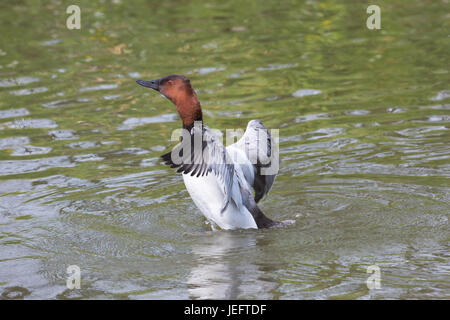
[{"x": 179, "y": 90}]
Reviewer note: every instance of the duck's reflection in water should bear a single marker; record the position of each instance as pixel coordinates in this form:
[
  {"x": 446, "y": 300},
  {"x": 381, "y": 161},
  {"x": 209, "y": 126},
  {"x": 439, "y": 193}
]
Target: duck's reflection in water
[{"x": 228, "y": 268}]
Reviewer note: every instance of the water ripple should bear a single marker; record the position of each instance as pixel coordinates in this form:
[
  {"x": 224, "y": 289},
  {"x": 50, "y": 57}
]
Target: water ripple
[
  {"x": 441, "y": 95},
  {"x": 62, "y": 103},
  {"x": 306, "y": 92},
  {"x": 24, "y": 166},
  {"x": 17, "y": 81},
  {"x": 63, "y": 134},
  {"x": 26, "y": 92},
  {"x": 29, "y": 123},
  {"x": 11, "y": 113},
  {"x": 100, "y": 87},
  {"x": 131, "y": 123},
  {"x": 28, "y": 150}
]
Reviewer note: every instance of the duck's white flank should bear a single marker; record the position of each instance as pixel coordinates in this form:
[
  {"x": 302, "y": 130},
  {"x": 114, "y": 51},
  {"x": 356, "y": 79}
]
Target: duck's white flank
[{"x": 208, "y": 196}]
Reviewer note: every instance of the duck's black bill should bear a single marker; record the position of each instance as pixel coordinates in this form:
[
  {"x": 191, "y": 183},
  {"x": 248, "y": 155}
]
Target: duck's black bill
[{"x": 154, "y": 84}]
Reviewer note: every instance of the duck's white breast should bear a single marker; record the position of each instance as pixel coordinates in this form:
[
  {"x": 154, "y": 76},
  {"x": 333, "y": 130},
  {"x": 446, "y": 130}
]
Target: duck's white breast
[{"x": 209, "y": 198}]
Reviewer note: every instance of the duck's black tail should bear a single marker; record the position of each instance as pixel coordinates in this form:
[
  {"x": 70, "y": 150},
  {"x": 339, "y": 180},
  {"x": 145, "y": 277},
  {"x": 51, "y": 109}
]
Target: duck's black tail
[{"x": 262, "y": 221}]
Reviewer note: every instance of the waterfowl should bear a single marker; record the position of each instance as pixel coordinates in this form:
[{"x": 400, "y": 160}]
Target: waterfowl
[{"x": 219, "y": 179}]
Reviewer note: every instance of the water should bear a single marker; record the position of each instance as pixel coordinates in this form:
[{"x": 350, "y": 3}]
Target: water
[{"x": 364, "y": 144}]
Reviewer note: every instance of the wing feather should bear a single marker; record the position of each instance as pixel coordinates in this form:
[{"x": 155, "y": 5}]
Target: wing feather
[
  {"x": 211, "y": 157},
  {"x": 260, "y": 149}
]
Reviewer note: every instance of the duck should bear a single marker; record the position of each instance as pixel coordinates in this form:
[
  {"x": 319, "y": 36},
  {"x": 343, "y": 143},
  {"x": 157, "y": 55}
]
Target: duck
[{"x": 225, "y": 183}]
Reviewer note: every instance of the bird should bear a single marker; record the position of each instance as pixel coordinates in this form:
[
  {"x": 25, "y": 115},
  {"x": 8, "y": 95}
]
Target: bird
[{"x": 220, "y": 180}]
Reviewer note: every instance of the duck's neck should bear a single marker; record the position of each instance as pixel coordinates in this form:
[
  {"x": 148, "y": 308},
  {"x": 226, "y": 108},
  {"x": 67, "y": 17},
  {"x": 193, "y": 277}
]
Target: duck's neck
[{"x": 190, "y": 110}]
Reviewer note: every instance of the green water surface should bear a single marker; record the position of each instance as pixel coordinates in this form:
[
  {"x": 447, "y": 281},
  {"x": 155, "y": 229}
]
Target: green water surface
[{"x": 363, "y": 116}]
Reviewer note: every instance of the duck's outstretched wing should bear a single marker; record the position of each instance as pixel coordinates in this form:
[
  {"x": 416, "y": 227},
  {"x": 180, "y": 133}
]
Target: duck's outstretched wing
[
  {"x": 259, "y": 147},
  {"x": 201, "y": 152}
]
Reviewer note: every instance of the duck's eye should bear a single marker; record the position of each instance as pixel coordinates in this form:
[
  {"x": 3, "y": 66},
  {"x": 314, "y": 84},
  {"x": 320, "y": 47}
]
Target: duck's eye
[{"x": 170, "y": 82}]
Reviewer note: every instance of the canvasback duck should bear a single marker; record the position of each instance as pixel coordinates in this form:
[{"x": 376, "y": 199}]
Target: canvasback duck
[{"x": 219, "y": 179}]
